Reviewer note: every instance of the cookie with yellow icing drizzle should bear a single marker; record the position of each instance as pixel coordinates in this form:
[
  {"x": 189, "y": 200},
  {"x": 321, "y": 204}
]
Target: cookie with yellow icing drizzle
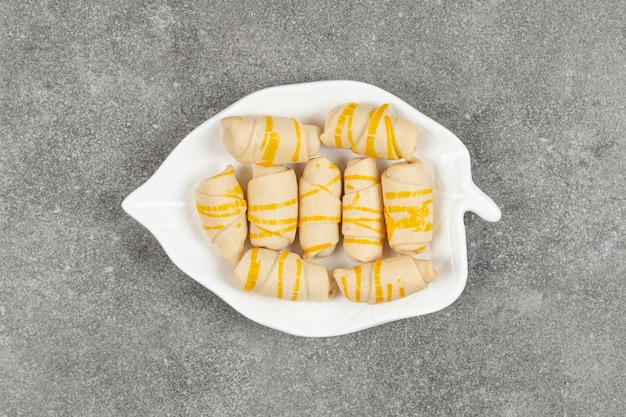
[
  {"x": 272, "y": 206},
  {"x": 283, "y": 275},
  {"x": 371, "y": 131},
  {"x": 408, "y": 204},
  {"x": 270, "y": 140},
  {"x": 222, "y": 211},
  {"x": 320, "y": 208},
  {"x": 363, "y": 223},
  {"x": 384, "y": 279}
]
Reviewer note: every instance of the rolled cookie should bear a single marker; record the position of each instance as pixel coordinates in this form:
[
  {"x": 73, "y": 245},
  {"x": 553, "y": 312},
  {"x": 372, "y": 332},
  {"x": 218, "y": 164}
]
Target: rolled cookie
[
  {"x": 363, "y": 222},
  {"x": 222, "y": 211},
  {"x": 371, "y": 131},
  {"x": 270, "y": 140},
  {"x": 320, "y": 208},
  {"x": 272, "y": 206},
  {"x": 283, "y": 275},
  {"x": 408, "y": 204},
  {"x": 384, "y": 279}
]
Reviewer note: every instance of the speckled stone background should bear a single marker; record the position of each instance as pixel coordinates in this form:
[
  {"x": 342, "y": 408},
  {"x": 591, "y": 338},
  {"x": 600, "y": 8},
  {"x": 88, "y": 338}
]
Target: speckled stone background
[{"x": 94, "y": 318}]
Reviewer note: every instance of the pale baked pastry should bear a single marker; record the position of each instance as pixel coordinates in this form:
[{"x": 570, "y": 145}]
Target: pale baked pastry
[
  {"x": 363, "y": 223},
  {"x": 408, "y": 203},
  {"x": 272, "y": 206},
  {"x": 384, "y": 279},
  {"x": 283, "y": 275},
  {"x": 222, "y": 211},
  {"x": 320, "y": 208},
  {"x": 270, "y": 139},
  {"x": 371, "y": 131}
]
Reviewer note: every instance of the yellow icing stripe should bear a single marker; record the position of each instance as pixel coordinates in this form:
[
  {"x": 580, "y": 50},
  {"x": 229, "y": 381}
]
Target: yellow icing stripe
[
  {"x": 232, "y": 213},
  {"x": 320, "y": 187},
  {"x": 363, "y": 241},
  {"x": 401, "y": 288},
  {"x": 344, "y": 285},
  {"x": 346, "y": 116},
  {"x": 420, "y": 228},
  {"x": 296, "y": 154},
  {"x": 270, "y": 142},
  {"x": 363, "y": 208},
  {"x": 361, "y": 223},
  {"x": 420, "y": 249},
  {"x": 353, "y": 206},
  {"x": 226, "y": 215},
  {"x": 424, "y": 207},
  {"x": 377, "y": 286},
  {"x": 296, "y": 286},
  {"x": 202, "y": 209},
  {"x": 372, "y": 127},
  {"x": 409, "y": 209},
  {"x": 389, "y": 291},
  {"x": 350, "y": 139},
  {"x": 269, "y": 153},
  {"x": 329, "y": 219},
  {"x": 281, "y": 271},
  {"x": 392, "y": 147},
  {"x": 253, "y": 271},
  {"x": 326, "y": 187},
  {"x": 279, "y": 222},
  {"x": 309, "y": 193},
  {"x": 420, "y": 211},
  {"x": 217, "y": 227},
  {"x": 229, "y": 171},
  {"x": 357, "y": 177},
  {"x": 358, "y": 271},
  {"x": 363, "y": 219},
  {"x": 415, "y": 219},
  {"x": 269, "y": 125},
  {"x": 367, "y": 209},
  {"x": 273, "y": 206},
  {"x": 317, "y": 248},
  {"x": 335, "y": 179},
  {"x": 392, "y": 195},
  {"x": 235, "y": 192},
  {"x": 268, "y": 233}
]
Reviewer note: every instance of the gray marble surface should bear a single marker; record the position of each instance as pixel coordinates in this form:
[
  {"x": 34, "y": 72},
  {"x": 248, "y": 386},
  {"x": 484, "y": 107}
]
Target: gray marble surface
[{"x": 95, "y": 319}]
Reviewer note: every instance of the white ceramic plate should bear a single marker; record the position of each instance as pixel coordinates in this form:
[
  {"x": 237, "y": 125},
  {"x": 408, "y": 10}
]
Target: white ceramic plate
[{"x": 165, "y": 206}]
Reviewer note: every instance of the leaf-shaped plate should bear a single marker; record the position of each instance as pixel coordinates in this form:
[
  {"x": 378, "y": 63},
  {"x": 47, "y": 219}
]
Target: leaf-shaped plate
[{"x": 165, "y": 206}]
